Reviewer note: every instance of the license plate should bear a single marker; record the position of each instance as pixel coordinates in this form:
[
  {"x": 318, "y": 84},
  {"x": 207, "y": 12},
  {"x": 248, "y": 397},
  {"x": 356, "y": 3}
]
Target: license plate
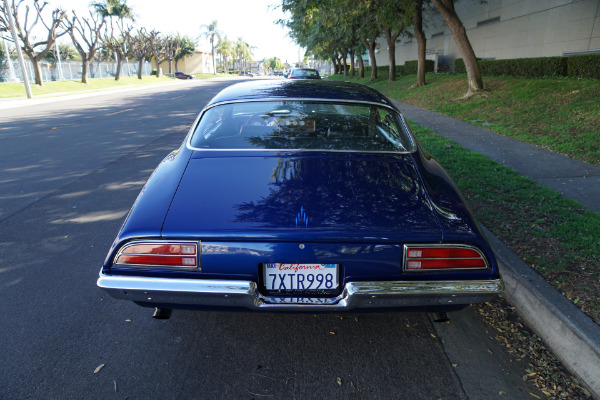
[
  {"x": 319, "y": 301},
  {"x": 300, "y": 277}
]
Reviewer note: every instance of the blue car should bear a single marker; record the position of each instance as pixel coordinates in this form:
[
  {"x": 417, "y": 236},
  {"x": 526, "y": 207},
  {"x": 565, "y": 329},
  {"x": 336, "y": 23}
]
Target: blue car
[{"x": 300, "y": 195}]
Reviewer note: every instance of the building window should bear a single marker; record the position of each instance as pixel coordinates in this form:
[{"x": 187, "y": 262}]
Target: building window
[
  {"x": 488, "y": 21},
  {"x": 437, "y": 34}
]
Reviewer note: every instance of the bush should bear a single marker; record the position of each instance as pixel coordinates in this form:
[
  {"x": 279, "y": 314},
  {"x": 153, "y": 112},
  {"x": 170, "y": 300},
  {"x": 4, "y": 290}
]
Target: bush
[
  {"x": 411, "y": 67},
  {"x": 585, "y": 66},
  {"x": 381, "y": 71},
  {"x": 528, "y": 67},
  {"x": 459, "y": 66}
]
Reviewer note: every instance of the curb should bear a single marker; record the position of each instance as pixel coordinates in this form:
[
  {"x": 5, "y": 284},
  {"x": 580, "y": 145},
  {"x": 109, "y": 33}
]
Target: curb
[{"x": 573, "y": 336}]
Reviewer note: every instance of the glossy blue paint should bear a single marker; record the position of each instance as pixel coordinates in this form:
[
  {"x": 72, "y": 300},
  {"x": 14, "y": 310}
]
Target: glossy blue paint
[
  {"x": 147, "y": 214},
  {"x": 353, "y": 197},
  {"x": 299, "y": 89}
]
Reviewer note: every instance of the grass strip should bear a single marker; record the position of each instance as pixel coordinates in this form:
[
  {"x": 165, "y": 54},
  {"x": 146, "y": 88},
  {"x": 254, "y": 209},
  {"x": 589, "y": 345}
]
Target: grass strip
[
  {"x": 556, "y": 236},
  {"x": 8, "y": 90}
]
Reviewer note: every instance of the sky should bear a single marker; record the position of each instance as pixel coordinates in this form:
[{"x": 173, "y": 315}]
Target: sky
[{"x": 251, "y": 20}]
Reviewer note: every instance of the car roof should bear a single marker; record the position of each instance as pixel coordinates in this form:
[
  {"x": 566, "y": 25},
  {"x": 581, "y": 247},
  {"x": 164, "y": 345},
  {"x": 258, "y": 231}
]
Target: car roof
[{"x": 277, "y": 90}]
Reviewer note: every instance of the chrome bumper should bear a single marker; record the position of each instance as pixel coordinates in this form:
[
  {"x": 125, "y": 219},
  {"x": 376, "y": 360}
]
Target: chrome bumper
[{"x": 356, "y": 295}]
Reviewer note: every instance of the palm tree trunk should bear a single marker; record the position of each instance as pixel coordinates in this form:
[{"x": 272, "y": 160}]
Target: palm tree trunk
[{"x": 212, "y": 49}]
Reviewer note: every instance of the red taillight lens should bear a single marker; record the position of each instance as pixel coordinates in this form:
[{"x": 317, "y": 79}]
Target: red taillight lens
[
  {"x": 159, "y": 254},
  {"x": 442, "y": 257}
]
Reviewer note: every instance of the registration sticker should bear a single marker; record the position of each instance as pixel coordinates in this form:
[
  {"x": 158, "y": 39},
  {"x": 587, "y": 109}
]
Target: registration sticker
[{"x": 300, "y": 277}]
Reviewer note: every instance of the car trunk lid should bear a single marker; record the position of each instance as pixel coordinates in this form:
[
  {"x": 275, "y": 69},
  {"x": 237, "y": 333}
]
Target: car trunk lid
[{"x": 306, "y": 196}]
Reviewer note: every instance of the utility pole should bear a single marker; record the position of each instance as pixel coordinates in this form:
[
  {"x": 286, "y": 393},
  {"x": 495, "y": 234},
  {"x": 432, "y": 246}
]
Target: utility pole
[{"x": 19, "y": 53}]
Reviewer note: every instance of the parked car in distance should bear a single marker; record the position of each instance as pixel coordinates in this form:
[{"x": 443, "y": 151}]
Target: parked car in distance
[
  {"x": 304, "y": 73},
  {"x": 183, "y": 75},
  {"x": 296, "y": 196},
  {"x": 246, "y": 73}
]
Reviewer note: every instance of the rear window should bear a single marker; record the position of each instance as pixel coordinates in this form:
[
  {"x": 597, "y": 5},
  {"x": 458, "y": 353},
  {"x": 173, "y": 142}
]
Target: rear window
[
  {"x": 305, "y": 73},
  {"x": 298, "y": 125}
]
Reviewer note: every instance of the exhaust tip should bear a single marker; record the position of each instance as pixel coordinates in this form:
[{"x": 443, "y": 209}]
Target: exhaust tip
[{"x": 162, "y": 313}]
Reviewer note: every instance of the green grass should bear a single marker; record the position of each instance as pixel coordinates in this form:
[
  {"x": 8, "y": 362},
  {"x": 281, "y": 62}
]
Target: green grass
[
  {"x": 8, "y": 90},
  {"x": 561, "y": 114},
  {"x": 556, "y": 236}
]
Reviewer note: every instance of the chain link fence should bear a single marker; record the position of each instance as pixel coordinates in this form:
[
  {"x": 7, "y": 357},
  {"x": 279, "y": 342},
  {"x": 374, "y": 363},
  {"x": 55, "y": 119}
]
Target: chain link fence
[{"x": 69, "y": 70}]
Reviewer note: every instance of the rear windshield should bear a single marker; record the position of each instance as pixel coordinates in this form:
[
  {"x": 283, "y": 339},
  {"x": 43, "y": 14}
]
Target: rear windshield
[
  {"x": 299, "y": 125},
  {"x": 309, "y": 73}
]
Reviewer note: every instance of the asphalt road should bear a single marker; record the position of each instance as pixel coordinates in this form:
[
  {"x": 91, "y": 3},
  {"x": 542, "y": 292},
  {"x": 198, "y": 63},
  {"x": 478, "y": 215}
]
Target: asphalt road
[{"x": 69, "y": 171}]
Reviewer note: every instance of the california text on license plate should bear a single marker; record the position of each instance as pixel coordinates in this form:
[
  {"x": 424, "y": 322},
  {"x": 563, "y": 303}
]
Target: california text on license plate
[{"x": 300, "y": 276}]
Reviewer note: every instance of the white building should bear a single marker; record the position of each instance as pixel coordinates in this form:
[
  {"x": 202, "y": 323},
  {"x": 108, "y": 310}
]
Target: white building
[{"x": 502, "y": 29}]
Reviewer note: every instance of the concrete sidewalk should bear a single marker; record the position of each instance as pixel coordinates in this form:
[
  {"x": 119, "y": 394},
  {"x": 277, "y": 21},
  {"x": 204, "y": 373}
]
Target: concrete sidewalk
[
  {"x": 572, "y": 335},
  {"x": 573, "y": 179}
]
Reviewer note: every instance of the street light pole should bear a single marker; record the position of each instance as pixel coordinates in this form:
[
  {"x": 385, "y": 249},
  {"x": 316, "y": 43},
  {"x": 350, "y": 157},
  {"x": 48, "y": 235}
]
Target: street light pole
[{"x": 19, "y": 53}]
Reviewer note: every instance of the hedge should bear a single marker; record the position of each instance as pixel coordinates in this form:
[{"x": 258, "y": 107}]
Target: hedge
[
  {"x": 381, "y": 71},
  {"x": 410, "y": 67},
  {"x": 587, "y": 66},
  {"x": 584, "y": 66}
]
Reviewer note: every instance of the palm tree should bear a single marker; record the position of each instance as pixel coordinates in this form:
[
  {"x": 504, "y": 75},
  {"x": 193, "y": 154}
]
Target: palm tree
[
  {"x": 186, "y": 48},
  {"x": 239, "y": 51},
  {"x": 210, "y": 32},
  {"x": 244, "y": 52},
  {"x": 114, "y": 8},
  {"x": 119, "y": 9},
  {"x": 225, "y": 48}
]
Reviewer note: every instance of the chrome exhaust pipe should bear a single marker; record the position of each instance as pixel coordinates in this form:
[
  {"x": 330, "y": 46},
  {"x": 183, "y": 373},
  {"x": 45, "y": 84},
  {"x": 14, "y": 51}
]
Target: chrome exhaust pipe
[{"x": 162, "y": 313}]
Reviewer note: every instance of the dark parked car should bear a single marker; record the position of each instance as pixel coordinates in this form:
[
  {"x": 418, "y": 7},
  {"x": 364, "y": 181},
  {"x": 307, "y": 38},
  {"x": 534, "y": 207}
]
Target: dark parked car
[
  {"x": 300, "y": 195},
  {"x": 304, "y": 73},
  {"x": 183, "y": 75}
]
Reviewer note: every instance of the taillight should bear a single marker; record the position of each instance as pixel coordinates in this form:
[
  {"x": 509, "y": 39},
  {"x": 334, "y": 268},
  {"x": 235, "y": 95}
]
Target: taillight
[
  {"x": 442, "y": 257},
  {"x": 158, "y": 255}
]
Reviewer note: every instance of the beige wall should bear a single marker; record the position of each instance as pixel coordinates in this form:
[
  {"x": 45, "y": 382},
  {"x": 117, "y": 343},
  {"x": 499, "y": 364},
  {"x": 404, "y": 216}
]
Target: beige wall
[
  {"x": 198, "y": 63},
  {"x": 527, "y": 28}
]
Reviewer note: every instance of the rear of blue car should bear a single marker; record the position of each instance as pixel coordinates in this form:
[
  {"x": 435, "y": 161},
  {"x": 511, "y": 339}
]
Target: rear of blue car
[{"x": 300, "y": 204}]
